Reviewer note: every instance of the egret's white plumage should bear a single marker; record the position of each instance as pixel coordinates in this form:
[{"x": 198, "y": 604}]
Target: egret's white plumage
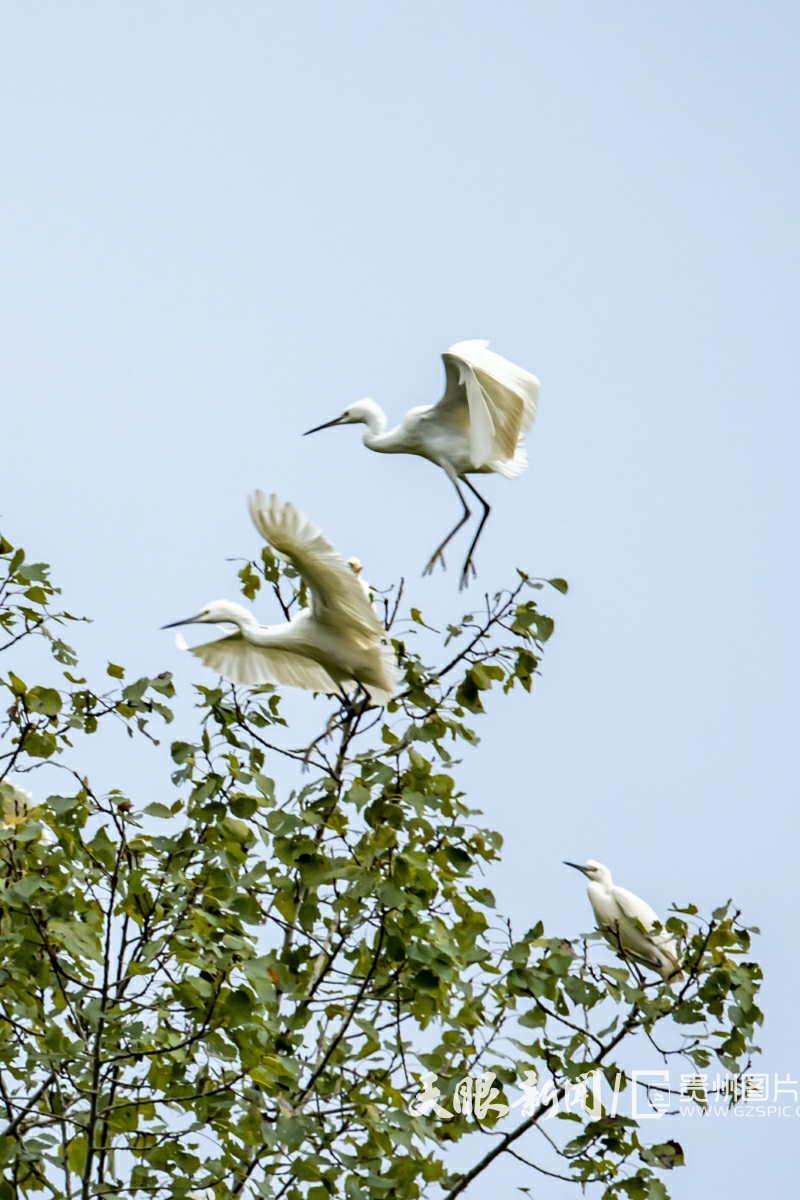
[
  {"x": 17, "y": 805},
  {"x": 627, "y": 922},
  {"x": 355, "y": 566},
  {"x": 337, "y": 642},
  {"x": 478, "y": 427}
]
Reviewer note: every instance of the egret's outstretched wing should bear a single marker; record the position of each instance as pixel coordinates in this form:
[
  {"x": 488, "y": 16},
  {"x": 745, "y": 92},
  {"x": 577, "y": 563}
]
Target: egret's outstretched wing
[
  {"x": 337, "y": 595},
  {"x": 246, "y": 664},
  {"x": 498, "y": 397},
  {"x": 453, "y": 408}
]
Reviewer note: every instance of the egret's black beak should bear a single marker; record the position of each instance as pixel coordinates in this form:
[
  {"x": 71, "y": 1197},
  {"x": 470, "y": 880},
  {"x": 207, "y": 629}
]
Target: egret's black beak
[
  {"x": 583, "y": 870},
  {"x": 325, "y": 425},
  {"x": 185, "y": 621}
]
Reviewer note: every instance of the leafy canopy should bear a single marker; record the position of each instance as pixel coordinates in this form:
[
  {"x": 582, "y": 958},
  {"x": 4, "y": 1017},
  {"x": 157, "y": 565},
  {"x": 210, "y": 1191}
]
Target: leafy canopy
[{"x": 235, "y": 989}]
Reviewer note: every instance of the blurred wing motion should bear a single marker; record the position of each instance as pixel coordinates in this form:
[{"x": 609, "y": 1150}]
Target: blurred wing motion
[
  {"x": 498, "y": 399},
  {"x": 390, "y": 676},
  {"x": 337, "y": 595},
  {"x": 243, "y": 663}
]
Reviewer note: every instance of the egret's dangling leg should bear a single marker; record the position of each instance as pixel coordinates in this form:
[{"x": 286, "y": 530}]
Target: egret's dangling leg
[
  {"x": 356, "y": 704},
  {"x": 347, "y": 704},
  {"x": 437, "y": 554},
  {"x": 333, "y": 723},
  {"x": 468, "y": 560},
  {"x": 335, "y": 720},
  {"x": 339, "y": 721}
]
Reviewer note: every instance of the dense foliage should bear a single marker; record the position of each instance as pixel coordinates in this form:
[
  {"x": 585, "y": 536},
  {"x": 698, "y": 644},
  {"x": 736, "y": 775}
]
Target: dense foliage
[{"x": 239, "y": 990}]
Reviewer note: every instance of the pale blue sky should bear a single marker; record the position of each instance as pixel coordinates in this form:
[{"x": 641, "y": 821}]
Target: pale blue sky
[{"x": 223, "y": 222}]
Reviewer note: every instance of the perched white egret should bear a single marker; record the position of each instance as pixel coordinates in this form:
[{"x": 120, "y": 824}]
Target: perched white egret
[
  {"x": 478, "y": 427},
  {"x": 627, "y": 922},
  {"x": 335, "y": 643}
]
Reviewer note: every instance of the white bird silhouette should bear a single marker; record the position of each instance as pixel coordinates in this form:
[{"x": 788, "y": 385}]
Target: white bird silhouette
[
  {"x": 334, "y": 644},
  {"x": 478, "y": 427},
  {"x": 627, "y": 922}
]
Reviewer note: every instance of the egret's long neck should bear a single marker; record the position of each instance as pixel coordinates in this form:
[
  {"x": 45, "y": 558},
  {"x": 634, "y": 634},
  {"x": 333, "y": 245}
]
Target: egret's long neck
[
  {"x": 376, "y": 424},
  {"x": 280, "y": 636},
  {"x": 243, "y": 619}
]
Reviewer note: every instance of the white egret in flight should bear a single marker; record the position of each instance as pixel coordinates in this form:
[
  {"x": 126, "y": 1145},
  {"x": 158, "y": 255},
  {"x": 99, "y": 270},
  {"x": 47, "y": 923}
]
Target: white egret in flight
[
  {"x": 478, "y": 427},
  {"x": 627, "y": 922},
  {"x": 334, "y": 644}
]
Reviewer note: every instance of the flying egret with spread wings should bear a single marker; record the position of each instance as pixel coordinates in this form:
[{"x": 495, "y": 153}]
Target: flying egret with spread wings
[
  {"x": 477, "y": 428},
  {"x": 336, "y": 643},
  {"x": 627, "y": 922}
]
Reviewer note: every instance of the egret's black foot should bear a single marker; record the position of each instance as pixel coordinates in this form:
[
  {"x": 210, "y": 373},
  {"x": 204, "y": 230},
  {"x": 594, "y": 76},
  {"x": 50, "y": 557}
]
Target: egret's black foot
[
  {"x": 469, "y": 565},
  {"x": 437, "y": 557}
]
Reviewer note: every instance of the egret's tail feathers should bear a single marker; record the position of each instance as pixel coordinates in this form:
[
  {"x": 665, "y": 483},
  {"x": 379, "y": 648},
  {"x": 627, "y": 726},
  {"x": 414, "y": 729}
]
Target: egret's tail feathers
[
  {"x": 512, "y": 467},
  {"x": 670, "y": 963}
]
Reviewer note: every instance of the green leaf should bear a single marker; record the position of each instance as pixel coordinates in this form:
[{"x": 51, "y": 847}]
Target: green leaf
[
  {"x": 244, "y": 806},
  {"x": 17, "y": 686},
  {"x": 76, "y": 1154},
  {"x": 76, "y": 937},
  {"x": 44, "y": 700},
  {"x": 62, "y": 804},
  {"x": 416, "y": 617},
  {"x": 115, "y": 671},
  {"x": 265, "y": 786},
  {"x": 28, "y": 885},
  {"x": 251, "y": 581},
  {"x": 257, "y": 972},
  {"x": 158, "y": 810},
  {"x": 39, "y": 745},
  {"x": 459, "y": 858},
  {"x": 426, "y": 981}
]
